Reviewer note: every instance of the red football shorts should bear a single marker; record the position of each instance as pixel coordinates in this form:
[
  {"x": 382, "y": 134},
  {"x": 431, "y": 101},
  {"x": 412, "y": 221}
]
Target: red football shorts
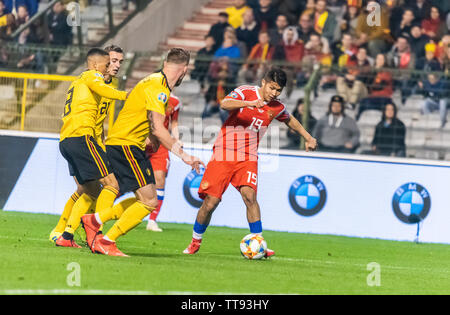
[
  {"x": 160, "y": 159},
  {"x": 219, "y": 174}
]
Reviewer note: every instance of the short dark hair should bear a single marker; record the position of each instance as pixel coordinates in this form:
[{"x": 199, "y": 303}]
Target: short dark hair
[
  {"x": 178, "y": 56},
  {"x": 114, "y": 48},
  {"x": 276, "y": 75},
  {"x": 96, "y": 52},
  {"x": 224, "y": 14}
]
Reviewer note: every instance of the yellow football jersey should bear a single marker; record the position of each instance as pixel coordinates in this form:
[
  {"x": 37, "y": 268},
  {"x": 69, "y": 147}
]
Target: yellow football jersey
[
  {"x": 82, "y": 104},
  {"x": 131, "y": 126},
  {"x": 103, "y": 110}
]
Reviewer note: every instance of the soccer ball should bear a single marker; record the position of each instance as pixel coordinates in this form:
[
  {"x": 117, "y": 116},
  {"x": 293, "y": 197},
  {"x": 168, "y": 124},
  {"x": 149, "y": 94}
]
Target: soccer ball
[{"x": 253, "y": 246}]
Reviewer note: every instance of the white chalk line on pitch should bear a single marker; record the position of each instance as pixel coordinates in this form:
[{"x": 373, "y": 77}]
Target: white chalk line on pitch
[
  {"x": 117, "y": 292},
  {"x": 300, "y": 260}
]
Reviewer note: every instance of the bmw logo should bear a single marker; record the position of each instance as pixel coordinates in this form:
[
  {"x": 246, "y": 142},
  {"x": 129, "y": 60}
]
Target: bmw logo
[
  {"x": 307, "y": 195},
  {"x": 411, "y": 203},
  {"x": 190, "y": 188}
]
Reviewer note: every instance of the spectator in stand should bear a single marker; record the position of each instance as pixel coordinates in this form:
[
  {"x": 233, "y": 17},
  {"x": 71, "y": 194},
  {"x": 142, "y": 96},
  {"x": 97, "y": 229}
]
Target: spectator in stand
[
  {"x": 390, "y": 133},
  {"x": 221, "y": 83},
  {"x": 256, "y": 64},
  {"x": 441, "y": 47},
  {"x": 294, "y": 138},
  {"x": 429, "y": 62},
  {"x": 31, "y": 6},
  {"x": 344, "y": 50},
  {"x": 403, "y": 26},
  {"x": 381, "y": 88},
  {"x": 293, "y": 51},
  {"x": 60, "y": 31},
  {"x": 229, "y": 47},
  {"x": 236, "y": 12},
  {"x": 202, "y": 62},
  {"x": 305, "y": 27},
  {"x": 350, "y": 18},
  {"x": 248, "y": 31},
  {"x": 337, "y": 132},
  {"x": 325, "y": 22},
  {"x": 396, "y": 8},
  {"x": 276, "y": 33},
  {"x": 433, "y": 25},
  {"x": 376, "y": 37},
  {"x": 217, "y": 30},
  {"x": 418, "y": 41},
  {"x": 337, "y": 7},
  {"x": 242, "y": 46},
  {"x": 291, "y": 9},
  {"x": 351, "y": 84},
  {"x": 436, "y": 93},
  {"x": 317, "y": 52},
  {"x": 7, "y": 22},
  {"x": 400, "y": 57},
  {"x": 266, "y": 15},
  {"x": 420, "y": 7}
]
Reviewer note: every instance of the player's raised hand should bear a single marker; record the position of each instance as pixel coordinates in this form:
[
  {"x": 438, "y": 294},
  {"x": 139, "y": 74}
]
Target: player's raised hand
[{"x": 310, "y": 144}]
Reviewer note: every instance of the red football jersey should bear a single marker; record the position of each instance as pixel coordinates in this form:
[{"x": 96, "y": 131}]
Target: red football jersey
[
  {"x": 172, "y": 110},
  {"x": 240, "y": 134}
]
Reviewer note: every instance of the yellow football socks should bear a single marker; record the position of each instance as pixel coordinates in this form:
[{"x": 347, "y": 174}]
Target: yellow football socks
[
  {"x": 129, "y": 219},
  {"x": 66, "y": 213},
  {"x": 79, "y": 209},
  {"x": 116, "y": 212},
  {"x": 106, "y": 198}
]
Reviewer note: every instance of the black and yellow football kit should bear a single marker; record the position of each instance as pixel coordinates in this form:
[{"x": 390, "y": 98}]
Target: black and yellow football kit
[
  {"x": 87, "y": 160},
  {"x": 105, "y": 105},
  {"x": 125, "y": 144}
]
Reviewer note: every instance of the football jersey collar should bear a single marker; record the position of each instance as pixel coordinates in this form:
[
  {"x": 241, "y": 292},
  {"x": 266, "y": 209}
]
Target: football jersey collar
[
  {"x": 165, "y": 78},
  {"x": 258, "y": 95}
]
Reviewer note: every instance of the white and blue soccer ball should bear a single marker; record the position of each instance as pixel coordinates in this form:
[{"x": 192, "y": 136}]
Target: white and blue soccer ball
[{"x": 253, "y": 246}]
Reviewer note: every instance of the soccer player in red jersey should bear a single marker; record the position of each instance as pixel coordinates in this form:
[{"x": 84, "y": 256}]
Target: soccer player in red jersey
[
  {"x": 160, "y": 159},
  {"x": 235, "y": 157}
]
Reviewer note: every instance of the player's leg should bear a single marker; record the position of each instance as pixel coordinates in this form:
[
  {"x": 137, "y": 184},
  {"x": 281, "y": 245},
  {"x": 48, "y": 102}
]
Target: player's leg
[
  {"x": 202, "y": 220},
  {"x": 81, "y": 206},
  {"x": 214, "y": 183},
  {"x": 253, "y": 212},
  {"x": 89, "y": 163},
  {"x": 134, "y": 173},
  {"x": 146, "y": 202},
  {"x": 160, "y": 177},
  {"x": 61, "y": 225},
  {"x": 108, "y": 194}
]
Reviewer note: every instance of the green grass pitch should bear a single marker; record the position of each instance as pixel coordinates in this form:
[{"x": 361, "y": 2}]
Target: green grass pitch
[{"x": 304, "y": 263}]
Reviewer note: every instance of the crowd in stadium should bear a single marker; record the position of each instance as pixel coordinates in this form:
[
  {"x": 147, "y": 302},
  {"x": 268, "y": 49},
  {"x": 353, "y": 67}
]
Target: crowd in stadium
[
  {"x": 54, "y": 31},
  {"x": 407, "y": 49}
]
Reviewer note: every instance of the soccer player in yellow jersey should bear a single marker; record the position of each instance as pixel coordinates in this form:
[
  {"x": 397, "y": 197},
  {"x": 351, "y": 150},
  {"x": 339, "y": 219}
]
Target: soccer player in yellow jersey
[
  {"x": 116, "y": 55},
  {"x": 78, "y": 146},
  {"x": 141, "y": 120}
]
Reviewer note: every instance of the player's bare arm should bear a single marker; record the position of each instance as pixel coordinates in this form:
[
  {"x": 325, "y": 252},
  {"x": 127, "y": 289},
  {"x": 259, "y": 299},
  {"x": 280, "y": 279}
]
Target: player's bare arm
[
  {"x": 229, "y": 104},
  {"x": 157, "y": 129},
  {"x": 310, "y": 141}
]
